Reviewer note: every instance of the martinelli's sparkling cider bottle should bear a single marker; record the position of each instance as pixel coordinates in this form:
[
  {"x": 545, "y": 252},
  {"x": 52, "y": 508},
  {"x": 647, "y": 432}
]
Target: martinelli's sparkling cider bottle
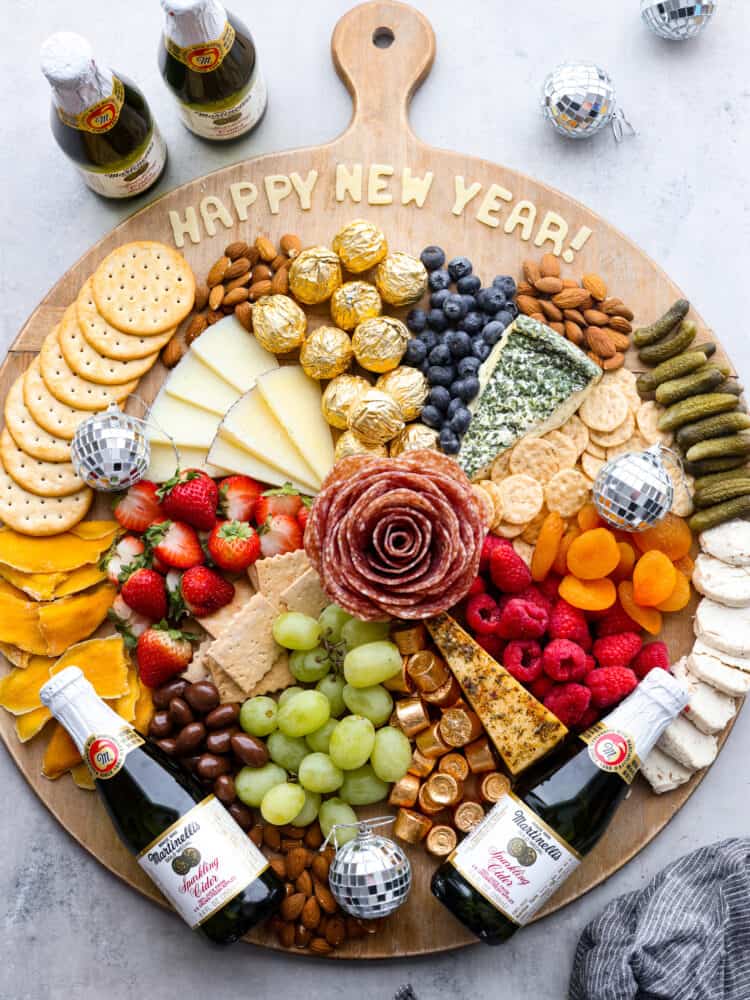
[
  {"x": 101, "y": 120},
  {"x": 185, "y": 840},
  {"x": 209, "y": 62},
  {"x": 534, "y": 838}
]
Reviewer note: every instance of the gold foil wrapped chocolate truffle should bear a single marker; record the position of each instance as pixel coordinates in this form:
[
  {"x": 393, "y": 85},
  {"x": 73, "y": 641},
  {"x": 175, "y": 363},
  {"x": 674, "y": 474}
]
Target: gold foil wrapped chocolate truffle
[
  {"x": 401, "y": 279},
  {"x": 360, "y": 245},
  {"x": 413, "y": 438},
  {"x": 339, "y": 397},
  {"x": 409, "y": 388},
  {"x": 353, "y": 302},
  {"x": 326, "y": 353},
  {"x": 376, "y": 417},
  {"x": 315, "y": 275},
  {"x": 278, "y": 323},
  {"x": 349, "y": 444},
  {"x": 379, "y": 343}
]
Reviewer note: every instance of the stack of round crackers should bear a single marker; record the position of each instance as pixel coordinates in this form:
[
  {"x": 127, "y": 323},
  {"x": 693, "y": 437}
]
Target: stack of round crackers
[{"x": 107, "y": 339}]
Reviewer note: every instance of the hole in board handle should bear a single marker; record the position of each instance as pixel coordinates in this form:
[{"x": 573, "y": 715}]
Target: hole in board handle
[{"x": 383, "y": 38}]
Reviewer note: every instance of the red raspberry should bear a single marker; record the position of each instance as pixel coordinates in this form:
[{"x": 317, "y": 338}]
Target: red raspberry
[
  {"x": 482, "y": 614},
  {"x": 589, "y": 717},
  {"x": 564, "y": 660},
  {"x": 541, "y": 687},
  {"x": 609, "y": 685},
  {"x": 614, "y": 620},
  {"x": 617, "y": 650},
  {"x": 567, "y": 622},
  {"x": 534, "y": 594},
  {"x": 653, "y": 654},
  {"x": 521, "y": 619},
  {"x": 490, "y": 545},
  {"x": 491, "y": 644},
  {"x": 508, "y": 570},
  {"x": 477, "y": 587},
  {"x": 568, "y": 702},
  {"x": 591, "y": 663},
  {"x": 523, "y": 660}
]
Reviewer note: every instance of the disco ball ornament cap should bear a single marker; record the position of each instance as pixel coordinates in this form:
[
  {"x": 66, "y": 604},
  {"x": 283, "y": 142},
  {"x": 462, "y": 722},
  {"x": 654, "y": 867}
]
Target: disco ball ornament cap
[
  {"x": 677, "y": 20},
  {"x": 370, "y": 876},
  {"x": 634, "y": 490},
  {"x": 579, "y": 100},
  {"x": 110, "y": 450}
]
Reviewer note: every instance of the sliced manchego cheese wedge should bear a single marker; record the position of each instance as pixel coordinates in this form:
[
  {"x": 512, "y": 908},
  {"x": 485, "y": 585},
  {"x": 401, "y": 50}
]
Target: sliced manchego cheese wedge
[
  {"x": 231, "y": 457},
  {"x": 233, "y": 354}
]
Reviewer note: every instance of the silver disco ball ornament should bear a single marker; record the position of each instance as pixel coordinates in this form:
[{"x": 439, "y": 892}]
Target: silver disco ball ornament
[
  {"x": 579, "y": 100},
  {"x": 370, "y": 876},
  {"x": 677, "y": 20},
  {"x": 634, "y": 490},
  {"x": 110, "y": 450}
]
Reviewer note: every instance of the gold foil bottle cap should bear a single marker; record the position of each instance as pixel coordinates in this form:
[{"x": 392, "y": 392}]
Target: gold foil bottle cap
[
  {"x": 375, "y": 417},
  {"x": 479, "y": 756},
  {"x": 446, "y": 695},
  {"x": 443, "y": 789},
  {"x": 401, "y": 279},
  {"x": 431, "y": 743},
  {"x": 278, "y": 323},
  {"x": 411, "y": 826},
  {"x": 494, "y": 786},
  {"x": 415, "y": 437},
  {"x": 420, "y": 765},
  {"x": 405, "y": 791},
  {"x": 427, "y": 670},
  {"x": 441, "y": 841},
  {"x": 339, "y": 397},
  {"x": 349, "y": 444},
  {"x": 467, "y": 815},
  {"x": 326, "y": 353},
  {"x": 354, "y": 302},
  {"x": 409, "y": 638},
  {"x": 459, "y": 726},
  {"x": 412, "y": 716},
  {"x": 360, "y": 245},
  {"x": 379, "y": 343},
  {"x": 427, "y": 804},
  {"x": 455, "y": 764},
  {"x": 315, "y": 275},
  {"x": 409, "y": 388}
]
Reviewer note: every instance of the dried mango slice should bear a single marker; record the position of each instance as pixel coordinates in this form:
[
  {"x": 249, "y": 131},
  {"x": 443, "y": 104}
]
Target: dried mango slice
[
  {"x": 61, "y": 754},
  {"x": 144, "y": 710},
  {"x": 19, "y": 620},
  {"x": 40, "y": 586},
  {"x": 79, "y": 579},
  {"x": 83, "y": 777},
  {"x": 93, "y": 530},
  {"x": 104, "y": 662},
  {"x": 71, "y": 619},
  {"x": 58, "y": 553},
  {"x": 19, "y": 690},
  {"x": 32, "y": 723},
  {"x": 17, "y": 657},
  {"x": 125, "y": 704}
]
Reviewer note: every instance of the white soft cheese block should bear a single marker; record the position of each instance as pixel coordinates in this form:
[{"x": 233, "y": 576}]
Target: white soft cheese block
[
  {"x": 740, "y": 662},
  {"x": 720, "y": 675},
  {"x": 187, "y": 425},
  {"x": 663, "y": 772},
  {"x": 195, "y": 383},
  {"x": 729, "y": 542},
  {"x": 710, "y": 710},
  {"x": 687, "y": 744},
  {"x": 162, "y": 465},
  {"x": 295, "y": 401},
  {"x": 228, "y": 455},
  {"x": 722, "y": 582},
  {"x": 722, "y": 627},
  {"x": 233, "y": 354}
]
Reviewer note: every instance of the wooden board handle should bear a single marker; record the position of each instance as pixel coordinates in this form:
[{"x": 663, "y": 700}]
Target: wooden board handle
[{"x": 382, "y": 51}]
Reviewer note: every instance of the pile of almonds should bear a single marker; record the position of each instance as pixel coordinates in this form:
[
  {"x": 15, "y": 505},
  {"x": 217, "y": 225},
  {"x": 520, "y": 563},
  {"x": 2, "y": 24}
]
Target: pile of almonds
[
  {"x": 244, "y": 273},
  {"x": 581, "y": 311},
  {"x": 309, "y": 917}
]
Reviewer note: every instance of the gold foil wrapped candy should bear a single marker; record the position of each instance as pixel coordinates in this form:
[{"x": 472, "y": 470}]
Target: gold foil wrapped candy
[
  {"x": 401, "y": 279},
  {"x": 360, "y": 245},
  {"x": 379, "y": 343},
  {"x": 326, "y": 353},
  {"x": 353, "y": 302},
  {"x": 409, "y": 388},
  {"x": 278, "y": 323},
  {"x": 375, "y": 417},
  {"x": 349, "y": 444},
  {"x": 413, "y": 438},
  {"x": 339, "y": 397},
  {"x": 315, "y": 275}
]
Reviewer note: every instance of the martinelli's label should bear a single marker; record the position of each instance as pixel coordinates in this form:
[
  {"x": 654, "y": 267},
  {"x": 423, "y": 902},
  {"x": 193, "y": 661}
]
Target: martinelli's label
[
  {"x": 105, "y": 753},
  {"x": 206, "y": 56},
  {"x": 612, "y": 750},
  {"x": 132, "y": 174},
  {"x": 229, "y": 118},
  {"x": 99, "y": 117},
  {"x": 514, "y": 859},
  {"x": 202, "y": 861}
]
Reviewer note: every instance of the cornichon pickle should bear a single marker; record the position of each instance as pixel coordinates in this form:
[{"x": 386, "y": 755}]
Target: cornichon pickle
[
  {"x": 704, "y": 482},
  {"x": 722, "y": 447},
  {"x": 687, "y": 411},
  {"x": 710, "y": 465},
  {"x": 734, "y": 386},
  {"x": 665, "y": 324},
  {"x": 719, "y": 513},
  {"x": 722, "y": 491},
  {"x": 676, "y": 344},
  {"x": 724, "y": 368},
  {"x": 683, "y": 364},
  {"x": 704, "y": 380},
  {"x": 712, "y": 427}
]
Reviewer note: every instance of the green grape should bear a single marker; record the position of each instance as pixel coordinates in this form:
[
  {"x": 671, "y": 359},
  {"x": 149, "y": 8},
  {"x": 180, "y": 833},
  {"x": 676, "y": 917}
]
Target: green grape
[
  {"x": 318, "y": 773},
  {"x": 332, "y": 619},
  {"x": 287, "y": 695},
  {"x": 282, "y": 803},
  {"x": 391, "y": 755},
  {"x": 335, "y": 811},
  {"x": 252, "y": 783},
  {"x": 363, "y": 786},
  {"x": 258, "y": 716},
  {"x": 305, "y": 713},
  {"x": 373, "y": 702},
  {"x": 309, "y": 811},
  {"x": 286, "y": 751},
  {"x": 356, "y": 633},
  {"x": 296, "y": 631},
  {"x": 352, "y": 742},
  {"x": 321, "y": 738},
  {"x": 309, "y": 665},
  {"x": 371, "y": 664},
  {"x": 332, "y": 686}
]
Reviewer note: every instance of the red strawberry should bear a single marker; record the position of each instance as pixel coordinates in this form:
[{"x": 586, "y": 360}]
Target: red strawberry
[
  {"x": 285, "y": 500},
  {"x": 238, "y": 496},
  {"x": 124, "y": 557},
  {"x": 162, "y": 652},
  {"x": 302, "y": 515},
  {"x": 175, "y": 544},
  {"x": 144, "y": 592},
  {"x": 205, "y": 591},
  {"x": 233, "y": 545},
  {"x": 137, "y": 509},
  {"x": 191, "y": 496},
  {"x": 127, "y": 622},
  {"x": 278, "y": 534},
  {"x": 509, "y": 572}
]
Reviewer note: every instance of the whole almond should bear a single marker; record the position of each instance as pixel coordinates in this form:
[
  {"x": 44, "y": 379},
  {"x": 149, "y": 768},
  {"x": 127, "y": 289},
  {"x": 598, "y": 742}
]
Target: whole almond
[
  {"x": 314, "y": 838},
  {"x": 252, "y": 255},
  {"x": 216, "y": 274},
  {"x": 620, "y": 340},
  {"x": 549, "y": 285},
  {"x": 595, "y": 285},
  {"x": 531, "y": 271},
  {"x": 292, "y": 906},
  {"x": 195, "y": 328},
  {"x": 524, "y": 288},
  {"x": 285, "y": 934},
  {"x": 293, "y": 832},
  {"x": 289, "y": 888},
  {"x": 236, "y": 250},
  {"x": 320, "y": 946},
  {"x": 244, "y": 313},
  {"x": 280, "y": 282},
  {"x": 304, "y": 883},
  {"x": 616, "y": 361},
  {"x": 278, "y": 866},
  {"x": 570, "y": 283},
  {"x": 256, "y": 834},
  {"x": 575, "y": 316},
  {"x": 262, "y": 272},
  {"x": 550, "y": 266},
  {"x": 610, "y": 305},
  {"x": 235, "y": 296},
  {"x": 325, "y": 897},
  {"x": 558, "y": 328},
  {"x": 623, "y": 312},
  {"x": 573, "y": 332},
  {"x": 600, "y": 341},
  {"x": 201, "y": 297},
  {"x": 244, "y": 279},
  {"x": 527, "y": 304},
  {"x": 595, "y": 358},
  {"x": 539, "y": 317},
  {"x": 281, "y": 260},
  {"x": 302, "y": 936},
  {"x": 310, "y": 917},
  {"x": 265, "y": 248},
  {"x": 297, "y": 860},
  {"x": 259, "y": 289},
  {"x": 320, "y": 866},
  {"x": 172, "y": 352},
  {"x": 216, "y": 296},
  {"x": 236, "y": 268},
  {"x": 619, "y": 324},
  {"x": 291, "y": 244},
  {"x": 551, "y": 311},
  {"x": 335, "y": 932},
  {"x": 571, "y": 298},
  {"x": 595, "y": 318},
  {"x": 214, "y": 316},
  {"x": 271, "y": 837}
]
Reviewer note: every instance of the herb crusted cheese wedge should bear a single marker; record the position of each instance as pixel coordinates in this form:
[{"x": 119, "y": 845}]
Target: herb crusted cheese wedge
[
  {"x": 520, "y": 727},
  {"x": 533, "y": 381}
]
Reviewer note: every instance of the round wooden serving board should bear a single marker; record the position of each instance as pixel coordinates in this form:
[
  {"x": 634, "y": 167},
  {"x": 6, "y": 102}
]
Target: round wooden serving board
[{"x": 379, "y": 170}]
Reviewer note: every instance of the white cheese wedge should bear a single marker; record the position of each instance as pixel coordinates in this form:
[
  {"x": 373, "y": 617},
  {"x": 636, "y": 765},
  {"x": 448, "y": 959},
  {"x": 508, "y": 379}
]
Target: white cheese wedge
[
  {"x": 295, "y": 401},
  {"x": 719, "y": 675},
  {"x": 731, "y": 660},
  {"x": 663, "y": 772},
  {"x": 162, "y": 465},
  {"x": 729, "y": 542},
  {"x": 229, "y": 456},
  {"x": 251, "y": 424},
  {"x": 233, "y": 354},
  {"x": 193, "y": 382},
  {"x": 687, "y": 744},
  {"x": 187, "y": 425},
  {"x": 710, "y": 710},
  {"x": 724, "y": 628},
  {"x": 722, "y": 582}
]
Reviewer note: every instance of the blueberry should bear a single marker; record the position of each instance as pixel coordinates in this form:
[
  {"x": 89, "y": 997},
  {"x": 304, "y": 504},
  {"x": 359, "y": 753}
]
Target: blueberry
[
  {"x": 415, "y": 353},
  {"x": 428, "y": 338},
  {"x": 492, "y": 332},
  {"x": 512, "y": 308},
  {"x": 432, "y": 417},
  {"x": 416, "y": 320},
  {"x": 506, "y": 284},
  {"x": 470, "y": 302},
  {"x": 454, "y": 405},
  {"x": 454, "y": 307},
  {"x": 438, "y": 298},
  {"x": 459, "y": 422},
  {"x": 459, "y": 267},
  {"x": 439, "y": 397},
  {"x": 440, "y": 354},
  {"x": 505, "y": 316},
  {"x": 491, "y": 300},
  {"x": 438, "y": 280},
  {"x": 469, "y": 388},
  {"x": 469, "y": 284},
  {"x": 459, "y": 343},
  {"x": 449, "y": 442},
  {"x": 468, "y": 366},
  {"x": 432, "y": 257},
  {"x": 441, "y": 375},
  {"x": 472, "y": 322},
  {"x": 436, "y": 320},
  {"x": 456, "y": 389},
  {"x": 479, "y": 349}
]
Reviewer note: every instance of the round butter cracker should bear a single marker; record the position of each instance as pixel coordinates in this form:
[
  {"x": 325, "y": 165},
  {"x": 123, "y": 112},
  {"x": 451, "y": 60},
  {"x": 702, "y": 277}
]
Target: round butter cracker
[
  {"x": 592, "y": 464},
  {"x": 618, "y": 436},
  {"x": 83, "y": 360},
  {"x": 624, "y": 380},
  {"x": 45, "y": 479},
  {"x": 577, "y": 431},
  {"x": 106, "y": 339},
  {"x": 647, "y": 419},
  {"x": 524, "y": 550},
  {"x": 491, "y": 490},
  {"x": 604, "y": 409},
  {"x": 505, "y": 530},
  {"x": 567, "y": 492},
  {"x": 501, "y": 466},
  {"x": 485, "y": 502},
  {"x": 634, "y": 443},
  {"x": 27, "y": 433},
  {"x": 70, "y": 388},
  {"x": 566, "y": 450},
  {"x": 55, "y": 417},
  {"x": 532, "y": 530},
  {"x": 534, "y": 457},
  {"x": 522, "y": 498},
  {"x": 30, "y": 514}
]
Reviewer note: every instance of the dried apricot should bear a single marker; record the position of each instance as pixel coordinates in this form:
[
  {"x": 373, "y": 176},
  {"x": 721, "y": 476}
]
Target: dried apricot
[
  {"x": 593, "y": 555},
  {"x": 685, "y": 565},
  {"x": 547, "y": 544},
  {"x": 624, "y": 569},
  {"x": 588, "y": 517},
  {"x": 672, "y": 536},
  {"x": 560, "y": 565},
  {"x": 654, "y": 579},
  {"x": 648, "y": 618},
  {"x": 588, "y": 595},
  {"x": 680, "y": 596}
]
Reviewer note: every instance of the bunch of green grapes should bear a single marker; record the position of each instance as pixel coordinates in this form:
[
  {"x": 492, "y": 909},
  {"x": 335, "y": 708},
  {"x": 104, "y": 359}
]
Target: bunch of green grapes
[{"x": 332, "y": 736}]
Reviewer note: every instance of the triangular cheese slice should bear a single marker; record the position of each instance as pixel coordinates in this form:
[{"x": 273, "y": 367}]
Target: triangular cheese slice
[
  {"x": 193, "y": 382},
  {"x": 163, "y": 465},
  {"x": 183, "y": 422},
  {"x": 229, "y": 456},
  {"x": 233, "y": 354}
]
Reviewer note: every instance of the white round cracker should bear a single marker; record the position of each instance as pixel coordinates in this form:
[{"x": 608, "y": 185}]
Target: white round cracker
[
  {"x": 647, "y": 419},
  {"x": 505, "y": 530},
  {"x": 83, "y": 360},
  {"x": 567, "y": 492},
  {"x": 604, "y": 408},
  {"x": 683, "y": 482},
  {"x": 565, "y": 449},
  {"x": 486, "y": 505},
  {"x": 591, "y": 464},
  {"x": 46, "y": 479},
  {"x": 107, "y": 339},
  {"x": 530, "y": 533},
  {"x": 524, "y": 550},
  {"x": 70, "y": 388},
  {"x": 635, "y": 443},
  {"x": 534, "y": 457},
  {"x": 33, "y": 515},
  {"x": 56, "y": 417},
  {"x": 618, "y": 436},
  {"x": 577, "y": 431},
  {"x": 492, "y": 491},
  {"x": 501, "y": 466},
  {"x": 27, "y": 433},
  {"x": 523, "y": 498},
  {"x": 594, "y": 449},
  {"x": 625, "y": 381}
]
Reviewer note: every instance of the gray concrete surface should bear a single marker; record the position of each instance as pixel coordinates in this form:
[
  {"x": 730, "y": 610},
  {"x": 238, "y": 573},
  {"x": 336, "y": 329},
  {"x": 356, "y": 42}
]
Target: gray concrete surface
[{"x": 69, "y": 929}]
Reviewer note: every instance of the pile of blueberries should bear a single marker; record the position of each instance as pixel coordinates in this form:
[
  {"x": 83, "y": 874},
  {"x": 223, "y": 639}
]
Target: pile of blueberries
[{"x": 454, "y": 337}]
